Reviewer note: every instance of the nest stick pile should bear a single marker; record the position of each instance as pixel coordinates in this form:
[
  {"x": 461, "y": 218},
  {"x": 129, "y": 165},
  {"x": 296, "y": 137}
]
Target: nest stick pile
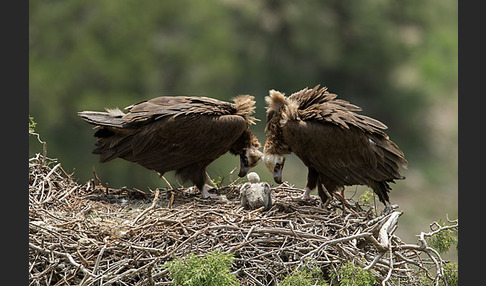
[{"x": 91, "y": 234}]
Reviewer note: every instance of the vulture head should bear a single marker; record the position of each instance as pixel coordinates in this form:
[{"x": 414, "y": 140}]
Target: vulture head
[
  {"x": 249, "y": 158},
  {"x": 339, "y": 146},
  {"x": 275, "y": 147}
]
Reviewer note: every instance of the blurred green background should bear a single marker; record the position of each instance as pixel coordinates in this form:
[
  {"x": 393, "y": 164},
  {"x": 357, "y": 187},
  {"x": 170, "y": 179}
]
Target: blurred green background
[{"x": 395, "y": 59}]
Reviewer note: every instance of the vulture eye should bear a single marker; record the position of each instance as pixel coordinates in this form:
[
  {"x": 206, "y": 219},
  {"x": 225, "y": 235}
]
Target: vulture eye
[{"x": 277, "y": 167}]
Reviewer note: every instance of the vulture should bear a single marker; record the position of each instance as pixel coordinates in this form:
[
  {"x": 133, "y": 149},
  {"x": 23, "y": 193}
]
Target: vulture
[
  {"x": 338, "y": 146},
  {"x": 255, "y": 194},
  {"x": 181, "y": 133}
]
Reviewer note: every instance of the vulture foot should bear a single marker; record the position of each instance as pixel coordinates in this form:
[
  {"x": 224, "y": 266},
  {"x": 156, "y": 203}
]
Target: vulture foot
[
  {"x": 204, "y": 192},
  {"x": 345, "y": 202},
  {"x": 306, "y": 195},
  {"x": 207, "y": 195},
  {"x": 212, "y": 196},
  {"x": 389, "y": 209}
]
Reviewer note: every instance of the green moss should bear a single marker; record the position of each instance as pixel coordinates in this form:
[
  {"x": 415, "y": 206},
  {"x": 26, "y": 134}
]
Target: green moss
[{"x": 451, "y": 276}]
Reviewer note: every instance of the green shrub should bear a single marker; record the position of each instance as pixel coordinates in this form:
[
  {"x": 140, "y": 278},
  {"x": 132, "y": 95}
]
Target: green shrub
[
  {"x": 443, "y": 240},
  {"x": 350, "y": 275},
  {"x": 305, "y": 277},
  {"x": 212, "y": 269},
  {"x": 451, "y": 274},
  {"x": 366, "y": 199},
  {"x": 32, "y": 124}
]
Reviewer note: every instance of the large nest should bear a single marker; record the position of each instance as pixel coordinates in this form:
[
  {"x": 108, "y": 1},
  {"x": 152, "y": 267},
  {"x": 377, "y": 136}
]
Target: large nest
[{"x": 91, "y": 234}]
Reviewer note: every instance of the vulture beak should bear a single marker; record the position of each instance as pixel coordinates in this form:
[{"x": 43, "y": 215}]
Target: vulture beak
[
  {"x": 244, "y": 168},
  {"x": 277, "y": 173},
  {"x": 275, "y": 164}
]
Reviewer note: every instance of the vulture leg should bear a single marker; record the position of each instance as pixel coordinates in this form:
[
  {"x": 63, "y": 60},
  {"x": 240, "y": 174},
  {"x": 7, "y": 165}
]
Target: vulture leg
[
  {"x": 206, "y": 194},
  {"x": 204, "y": 189},
  {"x": 340, "y": 195},
  {"x": 197, "y": 174},
  {"x": 312, "y": 176},
  {"x": 323, "y": 194}
]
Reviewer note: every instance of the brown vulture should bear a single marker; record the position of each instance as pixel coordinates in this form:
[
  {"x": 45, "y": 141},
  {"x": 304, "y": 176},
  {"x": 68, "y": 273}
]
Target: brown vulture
[
  {"x": 338, "y": 146},
  {"x": 178, "y": 133}
]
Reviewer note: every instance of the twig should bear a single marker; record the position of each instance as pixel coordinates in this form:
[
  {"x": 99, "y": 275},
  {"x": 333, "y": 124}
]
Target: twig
[
  {"x": 152, "y": 207},
  {"x": 65, "y": 255},
  {"x": 390, "y": 270},
  {"x": 167, "y": 182},
  {"x": 117, "y": 245}
]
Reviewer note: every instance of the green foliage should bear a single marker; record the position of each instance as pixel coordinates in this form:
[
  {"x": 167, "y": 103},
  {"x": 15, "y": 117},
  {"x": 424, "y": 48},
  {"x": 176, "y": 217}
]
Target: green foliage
[
  {"x": 218, "y": 182},
  {"x": 351, "y": 275},
  {"x": 443, "y": 240},
  {"x": 305, "y": 277},
  {"x": 366, "y": 199},
  {"x": 451, "y": 274},
  {"x": 212, "y": 269},
  {"x": 32, "y": 124}
]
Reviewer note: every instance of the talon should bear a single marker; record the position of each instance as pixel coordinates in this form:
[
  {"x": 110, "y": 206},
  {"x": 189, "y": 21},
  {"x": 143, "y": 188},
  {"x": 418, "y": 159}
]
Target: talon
[
  {"x": 212, "y": 196},
  {"x": 306, "y": 195},
  {"x": 207, "y": 195}
]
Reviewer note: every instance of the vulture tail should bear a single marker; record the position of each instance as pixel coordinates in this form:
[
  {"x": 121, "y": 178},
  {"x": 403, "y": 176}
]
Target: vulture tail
[
  {"x": 382, "y": 189},
  {"x": 112, "y": 118}
]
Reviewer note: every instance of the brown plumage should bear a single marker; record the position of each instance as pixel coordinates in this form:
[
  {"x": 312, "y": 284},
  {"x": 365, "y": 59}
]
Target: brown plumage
[
  {"x": 178, "y": 133},
  {"x": 338, "y": 146}
]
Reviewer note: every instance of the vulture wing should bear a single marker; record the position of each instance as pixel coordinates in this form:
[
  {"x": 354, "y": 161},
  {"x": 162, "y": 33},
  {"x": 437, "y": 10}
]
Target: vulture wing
[
  {"x": 345, "y": 156},
  {"x": 347, "y": 147},
  {"x": 168, "y": 133},
  {"x": 320, "y": 105}
]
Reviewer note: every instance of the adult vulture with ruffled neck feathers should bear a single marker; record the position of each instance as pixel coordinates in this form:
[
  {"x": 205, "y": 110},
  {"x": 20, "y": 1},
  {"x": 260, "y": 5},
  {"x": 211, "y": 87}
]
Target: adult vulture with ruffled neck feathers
[
  {"x": 180, "y": 133},
  {"x": 338, "y": 146}
]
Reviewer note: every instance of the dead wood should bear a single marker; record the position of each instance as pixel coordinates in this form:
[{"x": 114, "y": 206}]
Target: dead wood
[{"x": 91, "y": 234}]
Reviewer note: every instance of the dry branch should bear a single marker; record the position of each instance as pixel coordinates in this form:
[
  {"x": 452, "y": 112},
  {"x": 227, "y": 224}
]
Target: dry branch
[{"x": 91, "y": 235}]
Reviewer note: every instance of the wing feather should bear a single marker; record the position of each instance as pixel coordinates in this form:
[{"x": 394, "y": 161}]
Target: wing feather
[
  {"x": 347, "y": 156},
  {"x": 174, "y": 143},
  {"x": 320, "y": 105},
  {"x": 174, "y": 106},
  {"x": 170, "y": 132}
]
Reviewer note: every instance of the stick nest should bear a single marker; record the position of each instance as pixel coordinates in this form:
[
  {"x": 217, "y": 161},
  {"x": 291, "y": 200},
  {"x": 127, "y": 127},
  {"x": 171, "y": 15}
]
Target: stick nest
[{"x": 90, "y": 234}]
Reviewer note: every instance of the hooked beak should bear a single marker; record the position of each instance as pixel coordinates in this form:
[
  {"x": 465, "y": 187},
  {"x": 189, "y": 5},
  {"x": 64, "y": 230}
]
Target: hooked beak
[
  {"x": 277, "y": 173},
  {"x": 244, "y": 168}
]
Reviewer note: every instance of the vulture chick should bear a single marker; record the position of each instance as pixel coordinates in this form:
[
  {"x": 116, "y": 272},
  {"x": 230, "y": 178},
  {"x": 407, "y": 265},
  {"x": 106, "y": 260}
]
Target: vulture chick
[
  {"x": 255, "y": 194},
  {"x": 338, "y": 146},
  {"x": 178, "y": 133}
]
